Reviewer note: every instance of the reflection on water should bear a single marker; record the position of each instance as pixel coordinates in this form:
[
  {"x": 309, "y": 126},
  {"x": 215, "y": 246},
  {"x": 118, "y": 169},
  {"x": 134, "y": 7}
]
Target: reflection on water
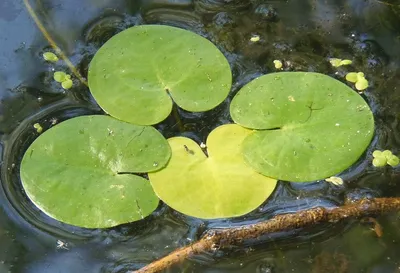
[{"x": 304, "y": 34}]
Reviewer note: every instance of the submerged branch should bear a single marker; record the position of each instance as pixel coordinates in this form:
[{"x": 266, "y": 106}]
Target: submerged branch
[
  {"x": 53, "y": 44},
  {"x": 221, "y": 238}
]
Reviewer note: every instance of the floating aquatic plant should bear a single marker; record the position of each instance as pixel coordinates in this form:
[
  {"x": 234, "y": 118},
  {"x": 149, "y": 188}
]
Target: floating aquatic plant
[
  {"x": 63, "y": 78},
  {"x": 83, "y": 171},
  {"x": 278, "y": 64},
  {"x": 307, "y": 126},
  {"x": 255, "y": 38},
  {"x": 359, "y": 79},
  {"x": 137, "y": 74},
  {"x": 339, "y": 62},
  {"x": 293, "y": 126},
  {"x": 38, "y": 128},
  {"x": 381, "y": 158},
  {"x": 217, "y": 186},
  {"x": 50, "y": 57}
]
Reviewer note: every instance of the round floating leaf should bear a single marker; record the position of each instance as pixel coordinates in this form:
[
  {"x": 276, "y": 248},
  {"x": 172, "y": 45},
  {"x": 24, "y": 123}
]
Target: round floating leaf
[
  {"x": 81, "y": 171},
  {"x": 50, "y": 57},
  {"x": 383, "y": 158},
  {"x": 134, "y": 75},
  {"x": 67, "y": 84},
  {"x": 311, "y": 126},
  {"x": 60, "y": 76},
  {"x": 218, "y": 186}
]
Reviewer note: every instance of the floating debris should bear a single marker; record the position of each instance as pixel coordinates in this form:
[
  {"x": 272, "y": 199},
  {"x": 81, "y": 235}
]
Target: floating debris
[
  {"x": 335, "y": 180},
  {"x": 62, "y": 245}
]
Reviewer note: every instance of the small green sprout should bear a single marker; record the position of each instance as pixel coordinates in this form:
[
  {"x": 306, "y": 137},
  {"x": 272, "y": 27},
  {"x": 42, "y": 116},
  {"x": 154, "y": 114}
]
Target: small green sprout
[
  {"x": 383, "y": 158},
  {"x": 359, "y": 79},
  {"x": 50, "y": 57},
  {"x": 38, "y": 128},
  {"x": 335, "y": 62},
  {"x": 255, "y": 38},
  {"x": 335, "y": 180},
  {"x": 63, "y": 78},
  {"x": 278, "y": 64}
]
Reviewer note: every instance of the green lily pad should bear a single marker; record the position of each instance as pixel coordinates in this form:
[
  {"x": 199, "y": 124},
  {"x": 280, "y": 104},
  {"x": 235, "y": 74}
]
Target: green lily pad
[
  {"x": 81, "y": 171},
  {"x": 309, "y": 125},
  {"x": 135, "y": 74},
  {"x": 217, "y": 186}
]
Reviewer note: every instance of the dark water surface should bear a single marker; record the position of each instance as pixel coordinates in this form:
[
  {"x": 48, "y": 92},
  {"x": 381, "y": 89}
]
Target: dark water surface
[{"x": 303, "y": 33}]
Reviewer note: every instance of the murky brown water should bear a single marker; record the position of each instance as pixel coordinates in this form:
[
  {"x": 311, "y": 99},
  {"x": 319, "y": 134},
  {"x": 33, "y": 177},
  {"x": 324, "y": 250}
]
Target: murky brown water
[{"x": 304, "y": 33}]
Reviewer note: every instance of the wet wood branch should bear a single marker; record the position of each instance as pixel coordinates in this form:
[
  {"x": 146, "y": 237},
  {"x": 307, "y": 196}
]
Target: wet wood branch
[{"x": 221, "y": 238}]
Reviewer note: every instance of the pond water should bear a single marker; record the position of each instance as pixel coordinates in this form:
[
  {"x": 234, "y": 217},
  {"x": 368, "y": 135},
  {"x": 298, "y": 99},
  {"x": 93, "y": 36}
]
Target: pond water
[{"x": 303, "y": 33}]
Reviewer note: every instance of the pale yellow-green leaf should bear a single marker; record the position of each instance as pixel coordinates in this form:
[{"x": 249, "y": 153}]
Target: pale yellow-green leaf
[
  {"x": 67, "y": 84},
  {"x": 255, "y": 38},
  {"x": 345, "y": 62},
  {"x": 385, "y": 157},
  {"x": 220, "y": 185},
  {"x": 38, "y": 128},
  {"x": 277, "y": 64},
  {"x": 335, "y": 62},
  {"x": 59, "y": 76},
  {"x": 361, "y": 84},
  {"x": 50, "y": 57},
  {"x": 351, "y": 77},
  {"x": 387, "y": 153},
  {"x": 379, "y": 161},
  {"x": 393, "y": 161},
  {"x": 377, "y": 153}
]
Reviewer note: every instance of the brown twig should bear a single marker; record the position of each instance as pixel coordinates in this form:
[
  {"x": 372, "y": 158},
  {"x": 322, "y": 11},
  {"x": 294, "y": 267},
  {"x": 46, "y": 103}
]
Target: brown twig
[
  {"x": 53, "y": 44},
  {"x": 221, "y": 238}
]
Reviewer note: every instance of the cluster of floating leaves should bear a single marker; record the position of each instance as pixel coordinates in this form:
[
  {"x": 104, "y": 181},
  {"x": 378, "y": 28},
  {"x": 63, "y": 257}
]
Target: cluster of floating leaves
[
  {"x": 64, "y": 79},
  {"x": 59, "y": 76},
  {"x": 335, "y": 62},
  {"x": 282, "y": 123},
  {"x": 361, "y": 83},
  {"x": 38, "y": 127},
  {"x": 383, "y": 158}
]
